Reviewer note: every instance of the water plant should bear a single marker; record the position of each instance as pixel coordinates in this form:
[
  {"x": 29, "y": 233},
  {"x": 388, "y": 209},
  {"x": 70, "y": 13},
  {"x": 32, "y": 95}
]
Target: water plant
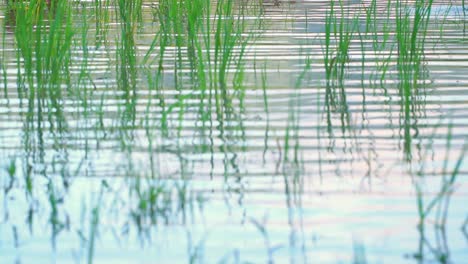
[
  {"x": 102, "y": 21},
  {"x": 340, "y": 29},
  {"x": 378, "y": 30},
  {"x": 162, "y": 98},
  {"x": 129, "y": 15},
  {"x": 411, "y": 31},
  {"x": 45, "y": 64}
]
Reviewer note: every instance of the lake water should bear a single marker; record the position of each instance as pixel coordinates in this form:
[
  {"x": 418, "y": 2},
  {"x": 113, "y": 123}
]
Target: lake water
[{"x": 281, "y": 132}]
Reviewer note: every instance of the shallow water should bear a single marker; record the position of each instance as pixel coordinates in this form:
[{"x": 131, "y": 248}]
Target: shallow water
[{"x": 121, "y": 159}]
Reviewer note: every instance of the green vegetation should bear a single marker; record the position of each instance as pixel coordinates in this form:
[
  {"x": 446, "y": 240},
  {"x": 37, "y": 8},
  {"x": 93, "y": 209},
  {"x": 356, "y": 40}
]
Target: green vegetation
[{"x": 153, "y": 113}]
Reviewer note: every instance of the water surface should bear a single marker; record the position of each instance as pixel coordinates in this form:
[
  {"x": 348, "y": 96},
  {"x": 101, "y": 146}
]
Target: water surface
[{"x": 140, "y": 146}]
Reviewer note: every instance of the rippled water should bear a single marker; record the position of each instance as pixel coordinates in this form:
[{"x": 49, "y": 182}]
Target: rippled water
[{"x": 121, "y": 155}]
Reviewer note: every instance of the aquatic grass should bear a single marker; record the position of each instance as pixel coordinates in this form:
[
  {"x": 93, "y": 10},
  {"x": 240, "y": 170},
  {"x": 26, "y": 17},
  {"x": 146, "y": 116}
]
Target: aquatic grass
[
  {"x": 442, "y": 19},
  {"x": 46, "y": 63},
  {"x": 328, "y": 63},
  {"x": 155, "y": 201},
  {"x": 411, "y": 31},
  {"x": 228, "y": 30},
  {"x": 24, "y": 35},
  {"x": 102, "y": 21},
  {"x": 209, "y": 44},
  {"x": 294, "y": 106},
  {"x": 231, "y": 37},
  {"x": 44, "y": 40},
  {"x": 57, "y": 221},
  {"x": 129, "y": 14},
  {"x": 85, "y": 88},
  {"x": 340, "y": 30},
  {"x": 379, "y": 28},
  {"x": 375, "y": 32},
  {"x": 174, "y": 200},
  {"x": 200, "y": 56},
  {"x": 180, "y": 25},
  {"x": 174, "y": 17}
]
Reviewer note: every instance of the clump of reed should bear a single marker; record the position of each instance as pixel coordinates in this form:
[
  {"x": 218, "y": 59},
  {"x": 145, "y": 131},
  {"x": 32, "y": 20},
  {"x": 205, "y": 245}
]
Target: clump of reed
[
  {"x": 200, "y": 51},
  {"x": 378, "y": 28},
  {"x": 213, "y": 42},
  {"x": 340, "y": 28},
  {"x": 44, "y": 41},
  {"x": 102, "y": 21},
  {"x": 411, "y": 30},
  {"x": 410, "y": 22},
  {"x": 129, "y": 15},
  {"x": 43, "y": 35},
  {"x": 340, "y": 31}
]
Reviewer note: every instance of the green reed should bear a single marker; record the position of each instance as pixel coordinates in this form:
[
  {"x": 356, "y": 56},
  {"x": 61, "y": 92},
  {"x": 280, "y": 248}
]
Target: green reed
[
  {"x": 44, "y": 51},
  {"x": 209, "y": 42},
  {"x": 228, "y": 42},
  {"x": 411, "y": 29},
  {"x": 378, "y": 29},
  {"x": 294, "y": 106},
  {"x": 44, "y": 40},
  {"x": 102, "y": 21},
  {"x": 129, "y": 15},
  {"x": 155, "y": 201},
  {"x": 340, "y": 30}
]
